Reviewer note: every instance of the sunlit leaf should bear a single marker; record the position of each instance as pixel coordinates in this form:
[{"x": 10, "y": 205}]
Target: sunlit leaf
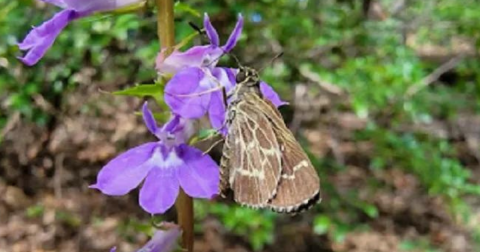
[{"x": 321, "y": 224}]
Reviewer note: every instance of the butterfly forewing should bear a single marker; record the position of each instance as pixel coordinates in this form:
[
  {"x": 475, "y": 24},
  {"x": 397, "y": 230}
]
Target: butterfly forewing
[{"x": 254, "y": 163}]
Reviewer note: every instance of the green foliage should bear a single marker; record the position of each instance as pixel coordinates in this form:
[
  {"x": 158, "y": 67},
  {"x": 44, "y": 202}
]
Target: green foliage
[
  {"x": 130, "y": 227},
  {"x": 256, "y": 225},
  {"x": 83, "y": 44},
  {"x": 431, "y": 160}
]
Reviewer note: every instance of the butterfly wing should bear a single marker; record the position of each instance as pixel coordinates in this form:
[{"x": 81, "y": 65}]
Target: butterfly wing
[
  {"x": 252, "y": 156},
  {"x": 299, "y": 186}
]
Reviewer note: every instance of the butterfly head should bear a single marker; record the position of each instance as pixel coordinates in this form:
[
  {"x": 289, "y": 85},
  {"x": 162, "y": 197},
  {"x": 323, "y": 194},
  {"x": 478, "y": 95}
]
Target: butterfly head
[{"x": 247, "y": 76}]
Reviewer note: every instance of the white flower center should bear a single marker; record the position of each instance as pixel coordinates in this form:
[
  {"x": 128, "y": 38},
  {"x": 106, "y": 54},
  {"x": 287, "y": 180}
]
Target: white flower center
[
  {"x": 160, "y": 162},
  {"x": 173, "y": 159}
]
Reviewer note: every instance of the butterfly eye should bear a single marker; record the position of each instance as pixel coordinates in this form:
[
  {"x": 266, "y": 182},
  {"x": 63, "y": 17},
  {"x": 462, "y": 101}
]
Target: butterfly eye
[{"x": 241, "y": 76}]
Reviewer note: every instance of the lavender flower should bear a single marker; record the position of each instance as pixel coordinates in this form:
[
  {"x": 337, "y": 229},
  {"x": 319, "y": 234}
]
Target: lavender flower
[
  {"x": 205, "y": 56},
  {"x": 41, "y": 38},
  {"x": 165, "y": 165},
  {"x": 195, "y": 72},
  {"x": 194, "y": 89},
  {"x": 162, "y": 240}
]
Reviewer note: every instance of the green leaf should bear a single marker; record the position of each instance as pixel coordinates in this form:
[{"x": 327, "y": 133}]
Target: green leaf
[
  {"x": 144, "y": 90},
  {"x": 204, "y": 134},
  {"x": 370, "y": 210},
  {"x": 129, "y": 8},
  {"x": 183, "y": 7},
  {"x": 187, "y": 40},
  {"x": 340, "y": 233},
  {"x": 321, "y": 224},
  {"x": 161, "y": 117}
]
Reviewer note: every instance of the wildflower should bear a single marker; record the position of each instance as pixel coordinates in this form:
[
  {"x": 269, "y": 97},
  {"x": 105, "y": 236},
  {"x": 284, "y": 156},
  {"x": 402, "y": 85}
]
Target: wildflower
[
  {"x": 41, "y": 38},
  {"x": 195, "y": 87},
  {"x": 164, "y": 165},
  {"x": 205, "y": 56},
  {"x": 196, "y": 72},
  {"x": 162, "y": 240}
]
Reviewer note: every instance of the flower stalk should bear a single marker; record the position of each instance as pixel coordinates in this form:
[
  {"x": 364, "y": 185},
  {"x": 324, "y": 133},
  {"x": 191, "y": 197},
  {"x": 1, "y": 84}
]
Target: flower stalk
[
  {"x": 166, "y": 35},
  {"x": 165, "y": 24}
]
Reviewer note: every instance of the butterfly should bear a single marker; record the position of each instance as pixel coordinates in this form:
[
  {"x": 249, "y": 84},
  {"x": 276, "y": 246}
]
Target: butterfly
[{"x": 262, "y": 162}]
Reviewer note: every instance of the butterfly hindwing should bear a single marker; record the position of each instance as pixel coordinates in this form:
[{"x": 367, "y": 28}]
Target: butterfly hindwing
[{"x": 299, "y": 184}]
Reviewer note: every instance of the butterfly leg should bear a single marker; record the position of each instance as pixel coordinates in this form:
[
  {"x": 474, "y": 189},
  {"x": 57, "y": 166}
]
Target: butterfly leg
[{"x": 212, "y": 146}]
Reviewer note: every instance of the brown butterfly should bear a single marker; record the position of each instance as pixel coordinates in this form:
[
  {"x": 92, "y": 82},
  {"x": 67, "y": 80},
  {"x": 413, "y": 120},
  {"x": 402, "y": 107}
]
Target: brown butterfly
[{"x": 262, "y": 162}]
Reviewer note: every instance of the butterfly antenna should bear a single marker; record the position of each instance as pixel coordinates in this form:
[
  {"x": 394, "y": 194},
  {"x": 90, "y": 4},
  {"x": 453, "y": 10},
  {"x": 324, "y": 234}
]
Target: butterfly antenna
[
  {"x": 235, "y": 58},
  {"x": 271, "y": 61}
]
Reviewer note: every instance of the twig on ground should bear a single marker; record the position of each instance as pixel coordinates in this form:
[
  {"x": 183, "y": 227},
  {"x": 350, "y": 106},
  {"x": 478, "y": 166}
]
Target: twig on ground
[
  {"x": 314, "y": 77},
  {"x": 12, "y": 121},
  {"x": 432, "y": 77},
  {"x": 57, "y": 180}
]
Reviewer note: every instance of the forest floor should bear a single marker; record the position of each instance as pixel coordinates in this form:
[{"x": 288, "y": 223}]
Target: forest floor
[{"x": 46, "y": 204}]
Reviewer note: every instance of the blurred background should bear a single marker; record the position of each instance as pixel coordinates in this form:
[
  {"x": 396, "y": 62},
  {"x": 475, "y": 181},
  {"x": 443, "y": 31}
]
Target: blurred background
[{"x": 384, "y": 96}]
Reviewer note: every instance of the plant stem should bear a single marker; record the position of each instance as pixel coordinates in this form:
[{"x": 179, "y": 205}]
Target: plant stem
[
  {"x": 165, "y": 24},
  {"x": 184, "y": 205},
  {"x": 166, "y": 35}
]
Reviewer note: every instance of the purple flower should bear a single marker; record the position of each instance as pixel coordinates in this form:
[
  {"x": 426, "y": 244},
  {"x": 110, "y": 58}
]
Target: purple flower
[
  {"x": 195, "y": 73},
  {"x": 41, "y": 38},
  {"x": 195, "y": 88},
  {"x": 164, "y": 165},
  {"x": 162, "y": 240},
  {"x": 205, "y": 56}
]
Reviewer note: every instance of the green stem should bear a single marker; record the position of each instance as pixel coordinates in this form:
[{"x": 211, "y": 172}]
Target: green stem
[{"x": 166, "y": 35}]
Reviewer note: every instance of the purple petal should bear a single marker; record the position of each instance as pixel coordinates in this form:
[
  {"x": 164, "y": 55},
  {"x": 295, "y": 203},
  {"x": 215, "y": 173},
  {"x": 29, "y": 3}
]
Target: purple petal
[
  {"x": 41, "y": 38},
  {"x": 177, "y": 61},
  {"x": 211, "y": 32},
  {"x": 173, "y": 125},
  {"x": 162, "y": 241},
  {"x": 126, "y": 171},
  {"x": 199, "y": 177},
  {"x": 271, "y": 95},
  {"x": 114, "y": 249},
  {"x": 89, "y": 5},
  {"x": 217, "y": 108},
  {"x": 237, "y": 31},
  {"x": 59, "y": 3},
  {"x": 160, "y": 190},
  {"x": 172, "y": 132},
  {"x": 225, "y": 76},
  {"x": 216, "y": 112},
  {"x": 149, "y": 119},
  {"x": 187, "y": 129},
  {"x": 187, "y": 93}
]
